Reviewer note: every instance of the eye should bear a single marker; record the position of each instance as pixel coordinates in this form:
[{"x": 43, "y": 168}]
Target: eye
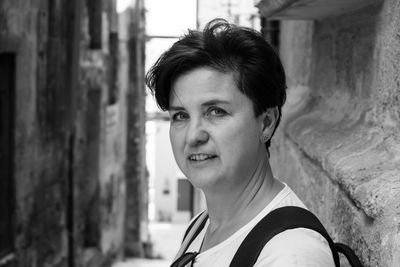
[
  {"x": 215, "y": 111},
  {"x": 180, "y": 116}
]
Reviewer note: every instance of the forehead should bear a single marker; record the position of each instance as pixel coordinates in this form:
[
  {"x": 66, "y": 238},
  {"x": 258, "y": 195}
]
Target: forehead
[{"x": 205, "y": 84}]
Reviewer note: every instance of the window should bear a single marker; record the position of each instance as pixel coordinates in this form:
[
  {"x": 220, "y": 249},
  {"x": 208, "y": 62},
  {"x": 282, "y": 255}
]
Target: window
[
  {"x": 7, "y": 89},
  {"x": 185, "y": 195},
  {"x": 271, "y": 30},
  {"x": 94, "y": 9},
  {"x": 113, "y": 69}
]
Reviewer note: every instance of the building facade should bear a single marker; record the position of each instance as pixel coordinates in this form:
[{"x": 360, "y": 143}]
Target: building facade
[
  {"x": 339, "y": 144},
  {"x": 69, "y": 110}
]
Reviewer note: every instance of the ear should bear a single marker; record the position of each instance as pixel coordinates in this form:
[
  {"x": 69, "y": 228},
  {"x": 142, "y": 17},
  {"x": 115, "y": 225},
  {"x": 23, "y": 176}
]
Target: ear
[{"x": 270, "y": 118}]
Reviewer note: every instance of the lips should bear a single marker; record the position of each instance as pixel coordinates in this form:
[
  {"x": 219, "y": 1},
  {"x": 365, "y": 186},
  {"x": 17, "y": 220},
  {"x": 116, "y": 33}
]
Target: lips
[{"x": 200, "y": 157}]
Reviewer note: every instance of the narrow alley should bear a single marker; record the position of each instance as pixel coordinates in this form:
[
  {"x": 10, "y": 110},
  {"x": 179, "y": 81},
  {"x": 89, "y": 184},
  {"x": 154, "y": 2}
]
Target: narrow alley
[
  {"x": 87, "y": 173},
  {"x": 166, "y": 238}
]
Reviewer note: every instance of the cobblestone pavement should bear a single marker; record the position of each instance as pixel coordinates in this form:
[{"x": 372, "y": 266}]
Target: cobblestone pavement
[{"x": 166, "y": 239}]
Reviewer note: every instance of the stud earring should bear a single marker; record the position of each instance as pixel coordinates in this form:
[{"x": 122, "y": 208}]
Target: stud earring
[{"x": 264, "y": 138}]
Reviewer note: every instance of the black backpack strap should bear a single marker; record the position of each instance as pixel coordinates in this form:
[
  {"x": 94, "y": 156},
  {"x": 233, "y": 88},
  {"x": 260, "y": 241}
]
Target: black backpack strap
[
  {"x": 192, "y": 224},
  {"x": 193, "y": 230},
  {"x": 349, "y": 253},
  {"x": 273, "y": 223}
]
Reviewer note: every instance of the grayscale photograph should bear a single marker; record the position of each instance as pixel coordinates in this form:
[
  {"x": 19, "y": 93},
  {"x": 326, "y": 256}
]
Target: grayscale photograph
[{"x": 200, "y": 133}]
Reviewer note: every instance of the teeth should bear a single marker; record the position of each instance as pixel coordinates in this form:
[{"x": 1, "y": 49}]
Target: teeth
[{"x": 200, "y": 157}]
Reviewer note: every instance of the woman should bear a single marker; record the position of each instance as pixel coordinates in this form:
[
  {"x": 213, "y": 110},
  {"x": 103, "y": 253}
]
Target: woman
[{"x": 224, "y": 89}]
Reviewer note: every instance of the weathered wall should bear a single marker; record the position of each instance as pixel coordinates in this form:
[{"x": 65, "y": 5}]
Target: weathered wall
[
  {"x": 70, "y": 131},
  {"x": 136, "y": 234},
  {"x": 35, "y": 32},
  {"x": 338, "y": 144},
  {"x": 100, "y": 192}
]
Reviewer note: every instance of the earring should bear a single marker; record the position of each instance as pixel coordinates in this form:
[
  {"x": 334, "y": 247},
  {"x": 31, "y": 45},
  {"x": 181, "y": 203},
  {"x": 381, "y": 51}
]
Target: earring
[{"x": 264, "y": 138}]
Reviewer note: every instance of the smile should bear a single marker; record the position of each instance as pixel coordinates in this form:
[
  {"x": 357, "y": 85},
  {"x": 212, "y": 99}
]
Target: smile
[{"x": 200, "y": 157}]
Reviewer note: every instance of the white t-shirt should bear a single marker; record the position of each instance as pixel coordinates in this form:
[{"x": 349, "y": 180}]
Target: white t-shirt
[{"x": 298, "y": 247}]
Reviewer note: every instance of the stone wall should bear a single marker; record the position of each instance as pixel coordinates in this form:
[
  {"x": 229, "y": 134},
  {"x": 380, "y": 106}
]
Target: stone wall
[
  {"x": 70, "y": 131},
  {"x": 136, "y": 239},
  {"x": 338, "y": 144},
  {"x": 36, "y": 33}
]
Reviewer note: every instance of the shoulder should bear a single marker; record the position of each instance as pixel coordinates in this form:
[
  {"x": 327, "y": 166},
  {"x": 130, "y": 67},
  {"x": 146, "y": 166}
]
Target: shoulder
[{"x": 297, "y": 247}]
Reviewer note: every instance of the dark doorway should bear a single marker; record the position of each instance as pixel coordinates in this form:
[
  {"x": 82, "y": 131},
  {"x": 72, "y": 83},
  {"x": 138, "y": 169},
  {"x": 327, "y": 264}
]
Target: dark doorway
[
  {"x": 185, "y": 195},
  {"x": 7, "y": 100},
  {"x": 92, "y": 233}
]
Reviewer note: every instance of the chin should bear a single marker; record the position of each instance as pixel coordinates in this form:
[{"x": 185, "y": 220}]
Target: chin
[{"x": 202, "y": 181}]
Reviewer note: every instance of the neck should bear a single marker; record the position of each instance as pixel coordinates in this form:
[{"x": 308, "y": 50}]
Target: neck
[{"x": 237, "y": 205}]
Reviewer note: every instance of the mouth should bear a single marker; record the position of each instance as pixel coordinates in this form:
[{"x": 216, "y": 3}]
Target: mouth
[{"x": 200, "y": 157}]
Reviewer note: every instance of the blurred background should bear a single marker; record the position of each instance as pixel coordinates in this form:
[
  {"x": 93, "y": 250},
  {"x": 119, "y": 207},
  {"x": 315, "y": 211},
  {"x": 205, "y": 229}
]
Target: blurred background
[{"x": 87, "y": 175}]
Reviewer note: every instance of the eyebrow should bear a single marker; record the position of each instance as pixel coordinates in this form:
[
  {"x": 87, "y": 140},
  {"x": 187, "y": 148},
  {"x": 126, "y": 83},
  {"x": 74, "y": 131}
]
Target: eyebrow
[
  {"x": 214, "y": 102},
  {"x": 208, "y": 103},
  {"x": 175, "y": 108}
]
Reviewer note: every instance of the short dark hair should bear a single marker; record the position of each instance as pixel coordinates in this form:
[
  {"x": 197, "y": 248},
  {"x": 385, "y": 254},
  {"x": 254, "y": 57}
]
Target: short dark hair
[{"x": 227, "y": 48}]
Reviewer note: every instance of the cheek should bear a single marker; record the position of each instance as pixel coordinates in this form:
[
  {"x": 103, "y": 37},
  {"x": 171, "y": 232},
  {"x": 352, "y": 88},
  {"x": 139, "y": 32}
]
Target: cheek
[
  {"x": 243, "y": 138},
  {"x": 242, "y": 131},
  {"x": 176, "y": 140}
]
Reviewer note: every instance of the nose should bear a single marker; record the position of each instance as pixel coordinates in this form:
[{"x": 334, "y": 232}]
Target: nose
[{"x": 197, "y": 134}]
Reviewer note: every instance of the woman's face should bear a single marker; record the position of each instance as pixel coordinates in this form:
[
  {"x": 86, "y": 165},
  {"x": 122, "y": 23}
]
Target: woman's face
[{"x": 214, "y": 133}]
